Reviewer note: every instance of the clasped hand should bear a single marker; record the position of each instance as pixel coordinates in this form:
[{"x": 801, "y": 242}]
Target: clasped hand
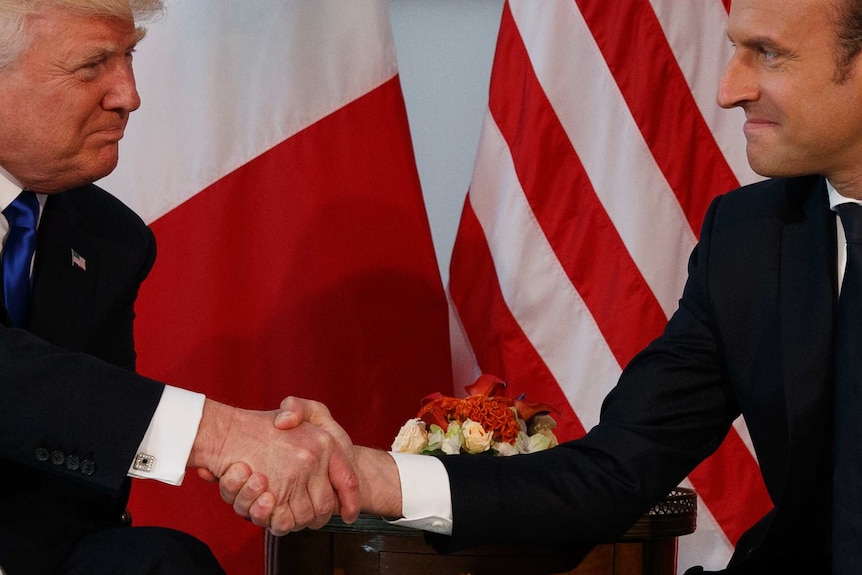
[{"x": 284, "y": 470}]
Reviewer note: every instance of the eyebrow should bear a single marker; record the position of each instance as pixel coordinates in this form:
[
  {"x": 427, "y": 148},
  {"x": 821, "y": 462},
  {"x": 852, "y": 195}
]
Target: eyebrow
[
  {"x": 104, "y": 52},
  {"x": 757, "y": 41}
]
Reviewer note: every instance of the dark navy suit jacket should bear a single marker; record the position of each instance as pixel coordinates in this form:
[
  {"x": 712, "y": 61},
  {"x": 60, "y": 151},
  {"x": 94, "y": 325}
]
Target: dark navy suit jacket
[
  {"x": 72, "y": 409},
  {"x": 753, "y": 336}
]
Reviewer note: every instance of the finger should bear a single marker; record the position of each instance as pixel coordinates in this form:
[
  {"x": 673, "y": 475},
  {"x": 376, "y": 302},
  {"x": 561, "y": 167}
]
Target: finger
[
  {"x": 301, "y": 508},
  {"x": 291, "y": 413},
  {"x": 251, "y": 490},
  {"x": 317, "y": 514},
  {"x": 294, "y": 410},
  {"x": 206, "y": 475},
  {"x": 318, "y": 522},
  {"x": 232, "y": 481},
  {"x": 282, "y": 522},
  {"x": 261, "y": 510},
  {"x": 345, "y": 482},
  {"x": 341, "y": 438},
  {"x": 323, "y": 500}
]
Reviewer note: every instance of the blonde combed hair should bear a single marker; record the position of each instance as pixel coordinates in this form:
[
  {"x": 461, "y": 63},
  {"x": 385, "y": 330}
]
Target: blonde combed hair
[{"x": 15, "y": 13}]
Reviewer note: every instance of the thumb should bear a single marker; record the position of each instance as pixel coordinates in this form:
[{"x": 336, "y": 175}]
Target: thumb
[
  {"x": 295, "y": 410},
  {"x": 291, "y": 413}
]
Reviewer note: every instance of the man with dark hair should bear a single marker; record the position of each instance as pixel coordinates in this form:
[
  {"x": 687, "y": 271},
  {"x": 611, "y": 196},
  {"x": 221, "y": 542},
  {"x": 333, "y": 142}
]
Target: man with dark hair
[{"x": 760, "y": 332}]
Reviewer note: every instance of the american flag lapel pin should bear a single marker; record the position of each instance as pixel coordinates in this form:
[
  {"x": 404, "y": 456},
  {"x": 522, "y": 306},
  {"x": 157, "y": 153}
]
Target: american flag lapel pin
[{"x": 78, "y": 261}]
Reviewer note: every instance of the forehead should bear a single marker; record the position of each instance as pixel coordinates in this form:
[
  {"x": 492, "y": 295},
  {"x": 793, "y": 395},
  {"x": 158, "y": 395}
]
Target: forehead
[
  {"x": 787, "y": 21},
  {"x": 67, "y": 34}
]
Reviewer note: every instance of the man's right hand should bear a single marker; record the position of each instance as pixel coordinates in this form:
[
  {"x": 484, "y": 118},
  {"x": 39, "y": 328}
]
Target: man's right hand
[
  {"x": 379, "y": 482},
  {"x": 306, "y": 472}
]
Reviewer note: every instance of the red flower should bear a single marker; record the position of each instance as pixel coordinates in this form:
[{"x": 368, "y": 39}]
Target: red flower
[{"x": 483, "y": 406}]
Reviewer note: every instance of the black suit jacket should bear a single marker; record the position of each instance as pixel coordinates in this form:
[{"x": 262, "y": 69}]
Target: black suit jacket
[
  {"x": 72, "y": 410},
  {"x": 752, "y": 335}
]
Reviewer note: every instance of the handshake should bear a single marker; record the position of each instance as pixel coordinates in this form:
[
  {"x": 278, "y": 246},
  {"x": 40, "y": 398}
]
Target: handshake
[{"x": 293, "y": 468}]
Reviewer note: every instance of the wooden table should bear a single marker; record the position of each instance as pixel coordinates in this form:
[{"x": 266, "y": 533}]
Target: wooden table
[{"x": 373, "y": 547}]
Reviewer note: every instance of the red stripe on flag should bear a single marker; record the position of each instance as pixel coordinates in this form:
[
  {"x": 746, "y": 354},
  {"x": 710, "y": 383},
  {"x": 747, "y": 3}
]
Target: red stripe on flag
[
  {"x": 661, "y": 102},
  {"x": 730, "y": 485},
  {"x": 566, "y": 206},
  {"x": 309, "y": 271},
  {"x": 500, "y": 344}
]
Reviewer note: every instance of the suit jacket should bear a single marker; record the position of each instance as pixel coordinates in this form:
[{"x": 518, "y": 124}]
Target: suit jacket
[
  {"x": 72, "y": 409},
  {"x": 753, "y": 336}
]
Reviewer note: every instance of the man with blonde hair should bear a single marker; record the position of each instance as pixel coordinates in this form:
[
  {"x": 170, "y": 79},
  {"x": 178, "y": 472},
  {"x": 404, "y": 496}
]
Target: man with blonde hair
[{"x": 76, "y": 421}]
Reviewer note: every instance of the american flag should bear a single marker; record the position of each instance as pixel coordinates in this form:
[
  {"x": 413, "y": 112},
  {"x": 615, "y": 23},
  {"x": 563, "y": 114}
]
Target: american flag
[
  {"x": 78, "y": 261},
  {"x": 601, "y": 148}
]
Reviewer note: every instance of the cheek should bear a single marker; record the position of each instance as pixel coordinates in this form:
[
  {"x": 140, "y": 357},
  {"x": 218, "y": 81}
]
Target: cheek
[{"x": 830, "y": 119}]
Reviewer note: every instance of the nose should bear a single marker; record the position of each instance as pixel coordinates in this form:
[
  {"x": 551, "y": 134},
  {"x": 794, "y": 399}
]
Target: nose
[
  {"x": 122, "y": 93},
  {"x": 738, "y": 83}
]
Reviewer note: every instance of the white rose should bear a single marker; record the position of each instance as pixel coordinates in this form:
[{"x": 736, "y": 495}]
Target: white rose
[
  {"x": 476, "y": 440},
  {"x": 435, "y": 438},
  {"x": 453, "y": 440},
  {"x": 522, "y": 443},
  {"x": 411, "y": 438},
  {"x": 505, "y": 449},
  {"x": 532, "y": 443}
]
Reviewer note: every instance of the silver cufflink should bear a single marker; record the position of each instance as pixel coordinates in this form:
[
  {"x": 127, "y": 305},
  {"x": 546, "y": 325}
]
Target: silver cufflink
[{"x": 144, "y": 462}]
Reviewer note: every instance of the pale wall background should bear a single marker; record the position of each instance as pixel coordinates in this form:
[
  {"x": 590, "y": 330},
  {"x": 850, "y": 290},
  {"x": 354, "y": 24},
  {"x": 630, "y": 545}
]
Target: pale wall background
[{"x": 445, "y": 50}]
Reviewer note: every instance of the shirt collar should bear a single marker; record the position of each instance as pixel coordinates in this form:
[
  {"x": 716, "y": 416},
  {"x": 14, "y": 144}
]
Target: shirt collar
[
  {"x": 9, "y": 188},
  {"x": 835, "y": 198}
]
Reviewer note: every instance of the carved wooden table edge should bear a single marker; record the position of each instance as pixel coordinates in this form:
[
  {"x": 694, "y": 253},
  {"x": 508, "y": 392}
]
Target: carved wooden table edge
[
  {"x": 674, "y": 516},
  {"x": 652, "y": 539}
]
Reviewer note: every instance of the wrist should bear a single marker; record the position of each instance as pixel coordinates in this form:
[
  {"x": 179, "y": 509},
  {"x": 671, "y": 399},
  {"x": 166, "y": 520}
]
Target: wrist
[
  {"x": 211, "y": 437},
  {"x": 379, "y": 482}
]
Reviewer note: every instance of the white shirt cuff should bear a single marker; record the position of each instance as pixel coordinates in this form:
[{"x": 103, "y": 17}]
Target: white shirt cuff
[
  {"x": 166, "y": 446},
  {"x": 426, "y": 501}
]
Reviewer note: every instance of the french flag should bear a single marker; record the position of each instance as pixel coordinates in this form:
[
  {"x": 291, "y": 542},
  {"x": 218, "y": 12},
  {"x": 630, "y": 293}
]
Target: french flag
[{"x": 272, "y": 158}]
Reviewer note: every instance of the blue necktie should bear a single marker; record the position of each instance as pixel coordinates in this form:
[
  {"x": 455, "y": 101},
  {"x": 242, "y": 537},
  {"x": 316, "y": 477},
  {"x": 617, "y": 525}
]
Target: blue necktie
[
  {"x": 847, "y": 468},
  {"x": 22, "y": 215}
]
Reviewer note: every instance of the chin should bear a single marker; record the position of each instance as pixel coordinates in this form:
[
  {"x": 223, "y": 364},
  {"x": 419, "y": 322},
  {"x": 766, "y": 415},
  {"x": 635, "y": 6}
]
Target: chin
[
  {"x": 102, "y": 167},
  {"x": 766, "y": 166}
]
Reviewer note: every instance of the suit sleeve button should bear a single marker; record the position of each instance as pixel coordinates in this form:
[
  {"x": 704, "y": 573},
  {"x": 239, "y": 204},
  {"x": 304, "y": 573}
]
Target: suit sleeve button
[
  {"x": 88, "y": 468},
  {"x": 72, "y": 463},
  {"x": 42, "y": 454},
  {"x": 58, "y": 457}
]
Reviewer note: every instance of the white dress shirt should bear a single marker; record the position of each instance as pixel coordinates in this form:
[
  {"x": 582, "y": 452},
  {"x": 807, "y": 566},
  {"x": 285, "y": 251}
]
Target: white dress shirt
[
  {"x": 426, "y": 501},
  {"x": 169, "y": 438}
]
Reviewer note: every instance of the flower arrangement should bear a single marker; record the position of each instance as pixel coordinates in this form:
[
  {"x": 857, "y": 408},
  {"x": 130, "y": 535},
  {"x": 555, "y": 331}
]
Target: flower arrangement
[{"x": 482, "y": 422}]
